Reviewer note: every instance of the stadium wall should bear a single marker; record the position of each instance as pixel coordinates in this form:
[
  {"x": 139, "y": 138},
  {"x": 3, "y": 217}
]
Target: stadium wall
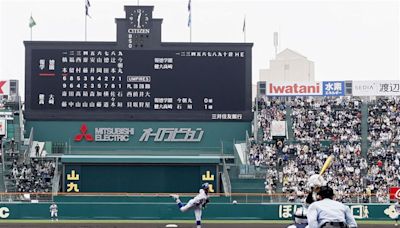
[
  {"x": 140, "y": 177},
  {"x": 209, "y": 137},
  {"x": 169, "y": 211}
]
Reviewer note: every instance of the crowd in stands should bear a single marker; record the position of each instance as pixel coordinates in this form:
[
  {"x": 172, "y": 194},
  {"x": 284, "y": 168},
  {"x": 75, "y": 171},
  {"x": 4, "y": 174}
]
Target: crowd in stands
[
  {"x": 384, "y": 121},
  {"x": 381, "y": 176},
  {"x": 384, "y": 151},
  {"x": 35, "y": 176},
  {"x": 337, "y": 122},
  {"x": 268, "y": 111},
  {"x": 263, "y": 155},
  {"x": 344, "y": 175},
  {"x": 327, "y": 118},
  {"x": 21, "y": 173}
]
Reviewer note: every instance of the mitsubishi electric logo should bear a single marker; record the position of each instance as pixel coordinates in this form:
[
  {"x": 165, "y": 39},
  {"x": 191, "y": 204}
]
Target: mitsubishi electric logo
[
  {"x": 88, "y": 137},
  {"x": 123, "y": 134},
  {"x": 105, "y": 134}
]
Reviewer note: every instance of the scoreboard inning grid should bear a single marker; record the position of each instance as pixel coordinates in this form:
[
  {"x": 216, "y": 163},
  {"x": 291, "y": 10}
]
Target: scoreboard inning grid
[{"x": 139, "y": 82}]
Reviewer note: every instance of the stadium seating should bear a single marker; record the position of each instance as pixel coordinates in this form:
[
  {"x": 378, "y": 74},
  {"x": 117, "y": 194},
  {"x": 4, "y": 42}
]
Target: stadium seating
[
  {"x": 320, "y": 126},
  {"x": 20, "y": 172}
]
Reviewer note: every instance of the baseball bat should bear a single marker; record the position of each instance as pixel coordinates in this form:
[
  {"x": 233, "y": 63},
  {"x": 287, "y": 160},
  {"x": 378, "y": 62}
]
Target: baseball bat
[{"x": 326, "y": 164}]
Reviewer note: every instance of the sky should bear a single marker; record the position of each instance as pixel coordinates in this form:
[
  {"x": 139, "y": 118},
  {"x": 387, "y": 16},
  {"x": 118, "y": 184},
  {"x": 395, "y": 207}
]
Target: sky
[{"x": 346, "y": 40}]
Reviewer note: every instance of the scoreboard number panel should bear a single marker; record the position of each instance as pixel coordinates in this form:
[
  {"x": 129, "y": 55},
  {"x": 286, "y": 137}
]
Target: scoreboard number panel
[{"x": 138, "y": 84}]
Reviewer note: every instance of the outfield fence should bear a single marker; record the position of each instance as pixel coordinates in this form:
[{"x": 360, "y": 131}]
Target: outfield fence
[{"x": 156, "y": 197}]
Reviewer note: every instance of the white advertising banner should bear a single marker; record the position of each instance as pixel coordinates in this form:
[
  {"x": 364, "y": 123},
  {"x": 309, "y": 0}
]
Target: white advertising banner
[
  {"x": 3, "y": 127},
  {"x": 278, "y": 128},
  {"x": 294, "y": 89},
  {"x": 4, "y": 88},
  {"x": 376, "y": 88},
  {"x": 8, "y": 115}
]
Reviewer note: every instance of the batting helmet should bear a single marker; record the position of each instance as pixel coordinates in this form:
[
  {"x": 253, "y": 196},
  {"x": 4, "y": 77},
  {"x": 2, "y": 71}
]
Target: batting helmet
[{"x": 205, "y": 186}]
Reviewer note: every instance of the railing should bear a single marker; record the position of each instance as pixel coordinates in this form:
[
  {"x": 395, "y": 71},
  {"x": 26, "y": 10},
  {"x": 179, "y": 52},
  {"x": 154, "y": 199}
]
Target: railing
[
  {"x": 21, "y": 120},
  {"x": 3, "y": 166},
  {"x": 28, "y": 149},
  {"x": 226, "y": 181},
  {"x": 251, "y": 171},
  {"x": 248, "y": 146},
  {"x": 145, "y": 150},
  {"x": 55, "y": 184},
  {"x": 25, "y": 197},
  {"x": 156, "y": 197},
  {"x": 59, "y": 147},
  {"x": 56, "y": 179}
]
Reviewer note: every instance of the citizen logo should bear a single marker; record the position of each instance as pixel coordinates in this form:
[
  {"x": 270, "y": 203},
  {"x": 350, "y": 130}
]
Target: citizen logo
[{"x": 141, "y": 31}]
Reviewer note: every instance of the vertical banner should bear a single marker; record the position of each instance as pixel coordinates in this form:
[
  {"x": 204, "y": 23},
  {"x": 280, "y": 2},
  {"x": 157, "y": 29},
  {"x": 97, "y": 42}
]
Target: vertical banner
[
  {"x": 3, "y": 127},
  {"x": 4, "y": 88}
]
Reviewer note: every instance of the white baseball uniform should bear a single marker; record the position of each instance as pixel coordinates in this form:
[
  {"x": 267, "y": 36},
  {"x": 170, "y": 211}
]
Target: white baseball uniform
[
  {"x": 196, "y": 204},
  {"x": 53, "y": 210},
  {"x": 397, "y": 208}
]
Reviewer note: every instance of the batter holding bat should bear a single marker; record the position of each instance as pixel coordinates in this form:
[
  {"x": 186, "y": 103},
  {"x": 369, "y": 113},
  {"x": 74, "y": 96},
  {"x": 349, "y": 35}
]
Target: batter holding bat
[{"x": 326, "y": 212}]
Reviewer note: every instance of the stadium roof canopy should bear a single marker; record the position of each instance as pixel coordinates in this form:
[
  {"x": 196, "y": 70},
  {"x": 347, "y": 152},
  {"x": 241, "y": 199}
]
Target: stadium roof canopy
[{"x": 140, "y": 159}]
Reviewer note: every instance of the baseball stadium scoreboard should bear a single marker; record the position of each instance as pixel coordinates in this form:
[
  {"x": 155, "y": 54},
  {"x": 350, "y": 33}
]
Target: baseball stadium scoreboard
[
  {"x": 138, "y": 77},
  {"x": 137, "y": 84},
  {"x": 134, "y": 81}
]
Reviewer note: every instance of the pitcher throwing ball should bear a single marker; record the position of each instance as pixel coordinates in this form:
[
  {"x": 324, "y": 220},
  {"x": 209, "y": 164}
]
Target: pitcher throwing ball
[{"x": 197, "y": 203}]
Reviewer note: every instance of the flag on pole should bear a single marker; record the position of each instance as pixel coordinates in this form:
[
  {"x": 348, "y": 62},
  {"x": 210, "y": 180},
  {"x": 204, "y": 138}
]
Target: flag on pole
[
  {"x": 87, "y": 5},
  {"x": 31, "y": 22},
  {"x": 190, "y": 14}
]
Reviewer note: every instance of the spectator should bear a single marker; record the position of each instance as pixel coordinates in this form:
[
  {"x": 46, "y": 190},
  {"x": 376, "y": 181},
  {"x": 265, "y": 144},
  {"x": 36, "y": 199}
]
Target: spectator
[
  {"x": 37, "y": 148},
  {"x": 33, "y": 177},
  {"x": 12, "y": 145}
]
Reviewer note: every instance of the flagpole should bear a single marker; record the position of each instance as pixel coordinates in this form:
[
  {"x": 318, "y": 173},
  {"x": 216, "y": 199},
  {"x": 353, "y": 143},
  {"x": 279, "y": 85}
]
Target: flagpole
[
  {"x": 85, "y": 26},
  {"x": 87, "y": 5},
  {"x": 190, "y": 20},
  {"x": 31, "y": 27},
  {"x": 244, "y": 29}
]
